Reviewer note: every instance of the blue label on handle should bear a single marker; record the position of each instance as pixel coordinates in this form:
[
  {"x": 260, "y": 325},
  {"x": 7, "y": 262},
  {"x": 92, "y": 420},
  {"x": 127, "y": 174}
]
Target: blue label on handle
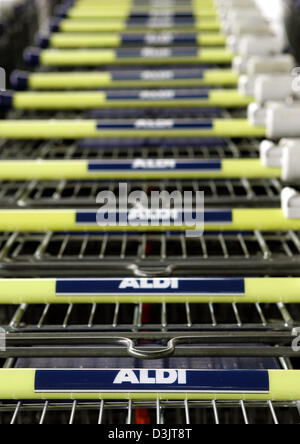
[
  {"x": 152, "y": 381},
  {"x": 156, "y": 165},
  {"x": 156, "y": 287}
]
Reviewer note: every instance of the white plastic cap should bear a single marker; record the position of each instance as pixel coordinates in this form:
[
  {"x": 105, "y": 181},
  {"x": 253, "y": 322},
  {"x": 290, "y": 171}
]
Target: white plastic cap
[
  {"x": 257, "y": 114},
  {"x": 254, "y": 64},
  {"x": 290, "y": 160},
  {"x": 278, "y": 63},
  {"x": 251, "y": 45},
  {"x": 270, "y": 154},
  {"x": 248, "y": 21},
  {"x": 239, "y": 64},
  {"x": 246, "y": 85},
  {"x": 235, "y": 14},
  {"x": 284, "y": 155},
  {"x": 250, "y": 27},
  {"x": 277, "y": 88},
  {"x": 230, "y": 4},
  {"x": 283, "y": 121},
  {"x": 266, "y": 88},
  {"x": 233, "y": 43},
  {"x": 281, "y": 63}
]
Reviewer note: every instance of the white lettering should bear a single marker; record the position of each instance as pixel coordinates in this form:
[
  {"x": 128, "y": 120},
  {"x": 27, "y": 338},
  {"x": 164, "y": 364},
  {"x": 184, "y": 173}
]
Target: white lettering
[
  {"x": 160, "y": 22},
  {"x": 164, "y": 38},
  {"x": 149, "y": 284},
  {"x": 161, "y": 376},
  {"x": 146, "y": 284},
  {"x": 154, "y": 124}
]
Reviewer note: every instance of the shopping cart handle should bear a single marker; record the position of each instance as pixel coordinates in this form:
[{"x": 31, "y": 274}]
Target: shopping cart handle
[
  {"x": 123, "y": 79},
  {"x": 133, "y": 220},
  {"x": 42, "y": 41},
  {"x": 129, "y": 128},
  {"x": 65, "y": 40},
  {"x": 143, "y": 55},
  {"x": 164, "y": 98},
  {"x": 138, "y": 169}
]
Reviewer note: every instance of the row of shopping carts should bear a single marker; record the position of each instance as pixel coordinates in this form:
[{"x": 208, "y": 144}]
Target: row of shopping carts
[
  {"x": 18, "y": 26},
  {"x": 145, "y": 325}
]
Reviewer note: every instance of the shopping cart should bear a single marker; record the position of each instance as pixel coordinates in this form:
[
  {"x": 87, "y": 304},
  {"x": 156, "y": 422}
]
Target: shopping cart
[{"x": 18, "y": 25}]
